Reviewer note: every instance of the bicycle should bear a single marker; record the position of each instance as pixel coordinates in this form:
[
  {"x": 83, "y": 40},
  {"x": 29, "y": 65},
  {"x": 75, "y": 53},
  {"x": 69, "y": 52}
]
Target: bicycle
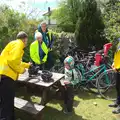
[{"x": 89, "y": 79}]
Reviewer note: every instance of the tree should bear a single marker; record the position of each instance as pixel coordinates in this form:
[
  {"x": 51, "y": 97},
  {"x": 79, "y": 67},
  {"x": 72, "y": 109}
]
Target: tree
[
  {"x": 11, "y": 22},
  {"x": 67, "y": 15},
  {"x": 111, "y": 18},
  {"x": 90, "y": 26}
]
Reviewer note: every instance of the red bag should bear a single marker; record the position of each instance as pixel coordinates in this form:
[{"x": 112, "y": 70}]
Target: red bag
[
  {"x": 98, "y": 59},
  {"x": 106, "y": 48}
]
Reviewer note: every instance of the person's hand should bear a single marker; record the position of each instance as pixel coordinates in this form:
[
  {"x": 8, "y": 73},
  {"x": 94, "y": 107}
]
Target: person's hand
[
  {"x": 113, "y": 66},
  {"x": 30, "y": 63},
  {"x": 66, "y": 82},
  {"x": 114, "y": 69}
]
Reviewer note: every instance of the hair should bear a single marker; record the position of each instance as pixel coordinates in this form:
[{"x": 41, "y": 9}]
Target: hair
[
  {"x": 43, "y": 22},
  {"x": 22, "y": 35},
  {"x": 38, "y": 34}
]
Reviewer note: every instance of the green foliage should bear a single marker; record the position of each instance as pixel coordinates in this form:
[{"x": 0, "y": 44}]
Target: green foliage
[
  {"x": 90, "y": 26},
  {"x": 11, "y": 22},
  {"x": 111, "y": 18},
  {"x": 67, "y": 15}
]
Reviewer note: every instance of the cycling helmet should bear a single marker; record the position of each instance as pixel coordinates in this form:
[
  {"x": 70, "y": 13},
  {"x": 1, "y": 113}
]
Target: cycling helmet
[
  {"x": 33, "y": 70},
  {"x": 69, "y": 62},
  {"x": 46, "y": 76}
]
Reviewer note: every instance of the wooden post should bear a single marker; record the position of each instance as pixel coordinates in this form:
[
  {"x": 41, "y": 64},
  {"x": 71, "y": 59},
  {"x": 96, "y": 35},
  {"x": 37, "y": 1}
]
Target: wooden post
[{"x": 49, "y": 14}]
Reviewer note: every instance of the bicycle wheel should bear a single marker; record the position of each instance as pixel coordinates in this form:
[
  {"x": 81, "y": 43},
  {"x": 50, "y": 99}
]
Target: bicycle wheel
[
  {"x": 92, "y": 86},
  {"x": 106, "y": 84},
  {"x": 57, "y": 68},
  {"x": 61, "y": 70}
]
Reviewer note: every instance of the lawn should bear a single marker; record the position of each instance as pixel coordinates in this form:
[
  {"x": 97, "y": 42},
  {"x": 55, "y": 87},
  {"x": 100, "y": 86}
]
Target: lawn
[{"x": 87, "y": 106}]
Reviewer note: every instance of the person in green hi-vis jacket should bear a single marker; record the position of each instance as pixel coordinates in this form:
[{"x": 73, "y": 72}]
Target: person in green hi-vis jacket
[
  {"x": 38, "y": 51},
  {"x": 48, "y": 38}
]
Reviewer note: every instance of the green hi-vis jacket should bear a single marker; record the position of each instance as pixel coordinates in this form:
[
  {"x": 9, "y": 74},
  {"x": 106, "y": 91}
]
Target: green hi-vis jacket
[
  {"x": 117, "y": 57},
  {"x": 34, "y": 52},
  {"x": 50, "y": 38}
]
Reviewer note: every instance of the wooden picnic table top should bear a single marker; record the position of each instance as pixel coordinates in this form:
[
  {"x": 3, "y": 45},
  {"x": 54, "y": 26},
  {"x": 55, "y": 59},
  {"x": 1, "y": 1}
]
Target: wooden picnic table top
[{"x": 56, "y": 77}]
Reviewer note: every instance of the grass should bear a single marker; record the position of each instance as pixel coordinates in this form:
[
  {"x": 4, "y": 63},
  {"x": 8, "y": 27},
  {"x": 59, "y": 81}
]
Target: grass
[{"x": 87, "y": 106}]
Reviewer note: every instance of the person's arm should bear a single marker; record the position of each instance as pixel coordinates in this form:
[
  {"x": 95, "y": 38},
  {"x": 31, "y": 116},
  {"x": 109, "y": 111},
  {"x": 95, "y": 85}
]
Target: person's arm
[
  {"x": 113, "y": 65},
  {"x": 68, "y": 77},
  {"x": 14, "y": 60},
  {"x": 51, "y": 44},
  {"x": 53, "y": 36},
  {"x": 25, "y": 65},
  {"x": 33, "y": 54}
]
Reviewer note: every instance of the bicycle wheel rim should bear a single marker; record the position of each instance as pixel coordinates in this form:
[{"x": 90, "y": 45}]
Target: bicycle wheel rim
[
  {"x": 91, "y": 86},
  {"x": 107, "y": 91}
]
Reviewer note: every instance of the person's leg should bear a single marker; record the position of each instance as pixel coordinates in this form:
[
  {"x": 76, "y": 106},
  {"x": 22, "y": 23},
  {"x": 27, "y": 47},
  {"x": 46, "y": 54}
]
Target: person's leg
[
  {"x": 65, "y": 97},
  {"x": 50, "y": 61},
  {"x": 70, "y": 99},
  {"x": 117, "y": 111},
  {"x": 117, "y": 102},
  {"x": 118, "y": 87},
  {"x": 41, "y": 67},
  {"x": 7, "y": 94}
]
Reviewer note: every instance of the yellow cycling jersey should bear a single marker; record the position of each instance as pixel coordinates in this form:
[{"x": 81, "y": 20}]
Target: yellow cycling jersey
[{"x": 117, "y": 57}]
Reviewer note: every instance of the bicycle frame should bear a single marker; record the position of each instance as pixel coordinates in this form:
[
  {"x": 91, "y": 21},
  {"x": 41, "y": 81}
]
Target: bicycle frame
[{"x": 86, "y": 74}]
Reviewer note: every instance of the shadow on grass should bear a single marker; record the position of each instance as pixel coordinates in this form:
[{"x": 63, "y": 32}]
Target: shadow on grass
[
  {"x": 54, "y": 114},
  {"x": 21, "y": 115},
  {"x": 48, "y": 114},
  {"x": 110, "y": 94},
  {"x": 86, "y": 95},
  {"x": 28, "y": 91}
]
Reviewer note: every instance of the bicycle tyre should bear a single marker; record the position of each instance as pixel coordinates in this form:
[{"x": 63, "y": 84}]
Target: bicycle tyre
[
  {"x": 57, "y": 68},
  {"x": 91, "y": 85},
  {"x": 103, "y": 87},
  {"x": 61, "y": 70}
]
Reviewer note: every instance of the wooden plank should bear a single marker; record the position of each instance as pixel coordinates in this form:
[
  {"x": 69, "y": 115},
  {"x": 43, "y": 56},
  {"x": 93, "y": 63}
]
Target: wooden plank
[
  {"x": 27, "y": 106},
  {"x": 56, "y": 77}
]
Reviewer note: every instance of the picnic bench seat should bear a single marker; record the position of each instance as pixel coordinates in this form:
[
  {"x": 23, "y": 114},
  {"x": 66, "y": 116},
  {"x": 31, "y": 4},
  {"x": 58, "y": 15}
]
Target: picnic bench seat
[{"x": 29, "y": 107}]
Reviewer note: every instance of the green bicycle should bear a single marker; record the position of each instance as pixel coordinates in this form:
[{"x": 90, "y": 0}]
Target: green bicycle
[{"x": 94, "y": 78}]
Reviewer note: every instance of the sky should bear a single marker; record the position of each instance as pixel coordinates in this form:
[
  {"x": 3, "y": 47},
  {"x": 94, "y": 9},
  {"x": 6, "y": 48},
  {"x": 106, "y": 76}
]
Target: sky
[{"x": 34, "y": 7}]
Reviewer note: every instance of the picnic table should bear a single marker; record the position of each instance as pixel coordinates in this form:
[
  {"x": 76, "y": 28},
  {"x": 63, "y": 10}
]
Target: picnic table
[{"x": 47, "y": 85}]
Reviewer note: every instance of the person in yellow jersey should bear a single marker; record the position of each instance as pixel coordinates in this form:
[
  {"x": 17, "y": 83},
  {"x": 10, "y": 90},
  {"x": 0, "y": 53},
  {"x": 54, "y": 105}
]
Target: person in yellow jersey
[
  {"x": 116, "y": 67},
  {"x": 38, "y": 51},
  {"x": 10, "y": 67}
]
